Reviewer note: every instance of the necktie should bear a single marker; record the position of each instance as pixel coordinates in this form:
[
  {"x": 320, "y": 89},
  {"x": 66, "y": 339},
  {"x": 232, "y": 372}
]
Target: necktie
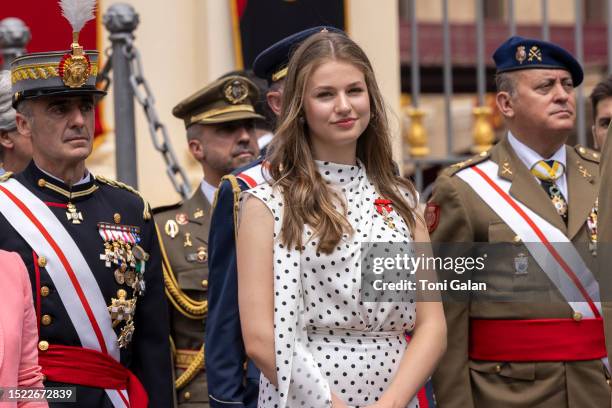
[{"x": 548, "y": 171}]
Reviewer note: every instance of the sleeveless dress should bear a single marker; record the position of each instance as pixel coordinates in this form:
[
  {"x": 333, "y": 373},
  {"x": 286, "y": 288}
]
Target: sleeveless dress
[{"x": 326, "y": 338}]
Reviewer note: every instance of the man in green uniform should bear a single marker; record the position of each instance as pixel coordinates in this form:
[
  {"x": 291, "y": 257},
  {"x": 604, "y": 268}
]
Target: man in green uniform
[
  {"x": 220, "y": 131},
  {"x": 529, "y": 188}
]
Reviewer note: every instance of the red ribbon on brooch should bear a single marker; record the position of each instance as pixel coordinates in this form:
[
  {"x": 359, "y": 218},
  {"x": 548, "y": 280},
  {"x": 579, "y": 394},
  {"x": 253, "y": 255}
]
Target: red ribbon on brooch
[{"x": 381, "y": 204}]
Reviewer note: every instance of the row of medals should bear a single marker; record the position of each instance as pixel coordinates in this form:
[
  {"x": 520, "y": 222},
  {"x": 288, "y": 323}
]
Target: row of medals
[{"x": 125, "y": 258}]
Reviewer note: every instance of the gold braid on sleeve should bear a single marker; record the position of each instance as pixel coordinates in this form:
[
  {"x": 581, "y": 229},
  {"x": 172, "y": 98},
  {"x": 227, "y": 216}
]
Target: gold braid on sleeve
[
  {"x": 188, "y": 307},
  {"x": 236, "y": 205},
  {"x": 194, "y": 367}
]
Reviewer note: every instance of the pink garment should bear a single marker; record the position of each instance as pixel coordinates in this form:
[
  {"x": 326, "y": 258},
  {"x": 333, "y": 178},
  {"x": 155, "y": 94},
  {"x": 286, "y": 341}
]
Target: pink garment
[{"x": 18, "y": 333}]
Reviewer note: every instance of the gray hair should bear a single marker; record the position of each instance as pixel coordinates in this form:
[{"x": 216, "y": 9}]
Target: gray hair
[
  {"x": 506, "y": 82},
  {"x": 7, "y": 113}
]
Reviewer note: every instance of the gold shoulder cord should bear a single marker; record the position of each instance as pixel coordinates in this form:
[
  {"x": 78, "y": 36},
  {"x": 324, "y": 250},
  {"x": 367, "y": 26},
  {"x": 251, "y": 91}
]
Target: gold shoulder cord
[
  {"x": 6, "y": 176},
  {"x": 117, "y": 184},
  {"x": 192, "y": 309},
  {"x": 236, "y": 190},
  {"x": 196, "y": 365}
]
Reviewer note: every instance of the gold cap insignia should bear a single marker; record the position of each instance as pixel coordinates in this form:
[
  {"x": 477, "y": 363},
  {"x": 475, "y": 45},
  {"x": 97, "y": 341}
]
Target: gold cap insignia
[
  {"x": 236, "y": 91},
  {"x": 75, "y": 67},
  {"x": 535, "y": 52},
  {"x": 521, "y": 54}
]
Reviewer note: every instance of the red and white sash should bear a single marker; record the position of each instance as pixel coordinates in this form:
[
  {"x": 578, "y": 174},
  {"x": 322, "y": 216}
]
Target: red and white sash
[
  {"x": 68, "y": 269},
  {"x": 550, "y": 247},
  {"x": 255, "y": 175}
]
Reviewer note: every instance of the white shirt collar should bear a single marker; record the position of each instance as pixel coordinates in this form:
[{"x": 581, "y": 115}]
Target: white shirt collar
[
  {"x": 530, "y": 157},
  {"x": 83, "y": 180},
  {"x": 208, "y": 190}
]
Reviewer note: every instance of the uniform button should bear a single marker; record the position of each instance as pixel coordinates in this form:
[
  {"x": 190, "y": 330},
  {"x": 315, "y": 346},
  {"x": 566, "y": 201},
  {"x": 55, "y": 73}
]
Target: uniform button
[
  {"x": 46, "y": 320},
  {"x": 44, "y": 291},
  {"x": 117, "y": 218},
  {"x": 43, "y": 345},
  {"x": 204, "y": 283},
  {"x": 187, "y": 395},
  {"x": 498, "y": 369},
  {"x": 42, "y": 183},
  {"x": 42, "y": 261},
  {"x": 517, "y": 239},
  {"x": 608, "y": 381},
  {"x": 577, "y": 316}
]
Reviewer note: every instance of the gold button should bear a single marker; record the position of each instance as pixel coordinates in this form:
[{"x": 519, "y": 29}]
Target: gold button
[
  {"x": 43, "y": 345},
  {"x": 42, "y": 183},
  {"x": 117, "y": 218},
  {"x": 187, "y": 395},
  {"x": 204, "y": 283},
  {"x": 44, "y": 291},
  {"x": 42, "y": 261},
  {"x": 121, "y": 293},
  {"x": 577, "y": 316},
  {"x": 582, "y": 150},
  {"x": 46, "y": 320},
  {"x": 517, "y": 239},
  {"x": 498, "y": 368},
  {"x": 483, "y": 154},
  {"x": 608, "y": 381},
  {"x": 596, "y": 155}
]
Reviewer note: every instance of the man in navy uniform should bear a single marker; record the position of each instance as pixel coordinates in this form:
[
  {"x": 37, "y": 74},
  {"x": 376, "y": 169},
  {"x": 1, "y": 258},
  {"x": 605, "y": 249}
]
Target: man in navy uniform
[
  {"x": 219, "y": 122},
  {"x": 89, "y": 244},
  {"x": 225, "y": 356}
]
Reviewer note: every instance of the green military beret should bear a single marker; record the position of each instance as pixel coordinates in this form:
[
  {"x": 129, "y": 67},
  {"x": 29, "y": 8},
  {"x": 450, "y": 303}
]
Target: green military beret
[{"x": 225, "y": 100}]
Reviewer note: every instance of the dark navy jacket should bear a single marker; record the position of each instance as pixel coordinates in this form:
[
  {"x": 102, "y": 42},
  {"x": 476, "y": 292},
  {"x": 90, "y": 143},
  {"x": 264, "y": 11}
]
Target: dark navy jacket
[
  {"x": 148, "y": 354},
  {"x": 228, "y": 383}
]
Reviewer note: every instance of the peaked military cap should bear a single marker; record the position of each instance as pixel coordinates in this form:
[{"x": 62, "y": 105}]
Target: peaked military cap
[
  {"x": 225, "y": 100},
  {"x": 518, "y": 53},
  {"x": 71, "y": 72},
  {"x": 271, "y": 63}
]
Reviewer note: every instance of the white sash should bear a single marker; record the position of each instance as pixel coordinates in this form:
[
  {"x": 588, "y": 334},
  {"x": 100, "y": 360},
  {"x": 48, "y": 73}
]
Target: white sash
[
  {"x": 47, "y": 237},
  {"x": 255, "y": 175},
  {"x": 551, "y": 249}
]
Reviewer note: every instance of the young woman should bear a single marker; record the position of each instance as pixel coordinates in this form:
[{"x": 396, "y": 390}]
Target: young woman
[
  {"x": 18, "y": 334},
  {"x": 304, "y": 321}
]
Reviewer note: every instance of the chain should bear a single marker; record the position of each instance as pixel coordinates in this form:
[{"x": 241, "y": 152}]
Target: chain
[{"x": 144, "y": 96}]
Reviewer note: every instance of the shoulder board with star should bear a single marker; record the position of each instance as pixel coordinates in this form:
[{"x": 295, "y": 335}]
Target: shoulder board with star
[
  {"x": 588, "y": 154},
  {"x": 6, "y": 176},
  {"x": 453, "y": 169},
  {"x": 117, "y": 184}
]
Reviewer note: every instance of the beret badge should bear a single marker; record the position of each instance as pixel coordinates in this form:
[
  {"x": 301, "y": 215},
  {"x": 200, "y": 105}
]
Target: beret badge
[
  {"x": 521, "y": 54},
  {"x": 236, "y": 91}
]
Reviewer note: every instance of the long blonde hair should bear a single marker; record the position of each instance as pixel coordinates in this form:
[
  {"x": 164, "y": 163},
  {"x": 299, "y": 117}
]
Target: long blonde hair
[{"x": 307, "y": 199}]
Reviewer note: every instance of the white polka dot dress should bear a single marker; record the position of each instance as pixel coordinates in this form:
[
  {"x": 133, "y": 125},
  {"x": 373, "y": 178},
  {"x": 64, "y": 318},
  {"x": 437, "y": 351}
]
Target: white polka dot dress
[{"x": 327, "y": 339}]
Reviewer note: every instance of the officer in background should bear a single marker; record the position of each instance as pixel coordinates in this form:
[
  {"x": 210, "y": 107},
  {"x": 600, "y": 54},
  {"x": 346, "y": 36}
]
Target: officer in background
[
  {"x": 530, "y": 187},
  {"x": 228, "y": 384},
  {"x": 89, "y": 244},
  {"x": 219, "y": 120},
  {"x": 15, "y": 149},
  {"x": 601, "y": 104}
]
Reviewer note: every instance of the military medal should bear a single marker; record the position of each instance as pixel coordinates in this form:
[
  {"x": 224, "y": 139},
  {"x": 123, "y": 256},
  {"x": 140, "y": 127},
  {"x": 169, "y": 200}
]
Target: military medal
[
  {"x": 383, "y": 207},
  {"x": 592, "y": 228},
  {"x": 187, "y": 242},
  {"x": 558, "y": 201},
  {"x": 521, "y": 264},
  {"x": 182, "y": 218},
  {"x": 171, "y": 228},
  {"x": 124, "y": 255},
  {"x": 202, "y": 254},
  {"x": 73, "y": 215}
]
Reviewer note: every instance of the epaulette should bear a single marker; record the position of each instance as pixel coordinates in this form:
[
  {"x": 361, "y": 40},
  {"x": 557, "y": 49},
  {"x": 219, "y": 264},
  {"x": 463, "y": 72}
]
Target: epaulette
[
  {"x": 164, "y": 208},
  {"x": 453, "y": 169},
  {"x": 146, "y": 213},
  {"x": 6, "y": 176},
  {"x": 588, "y": 154}
]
